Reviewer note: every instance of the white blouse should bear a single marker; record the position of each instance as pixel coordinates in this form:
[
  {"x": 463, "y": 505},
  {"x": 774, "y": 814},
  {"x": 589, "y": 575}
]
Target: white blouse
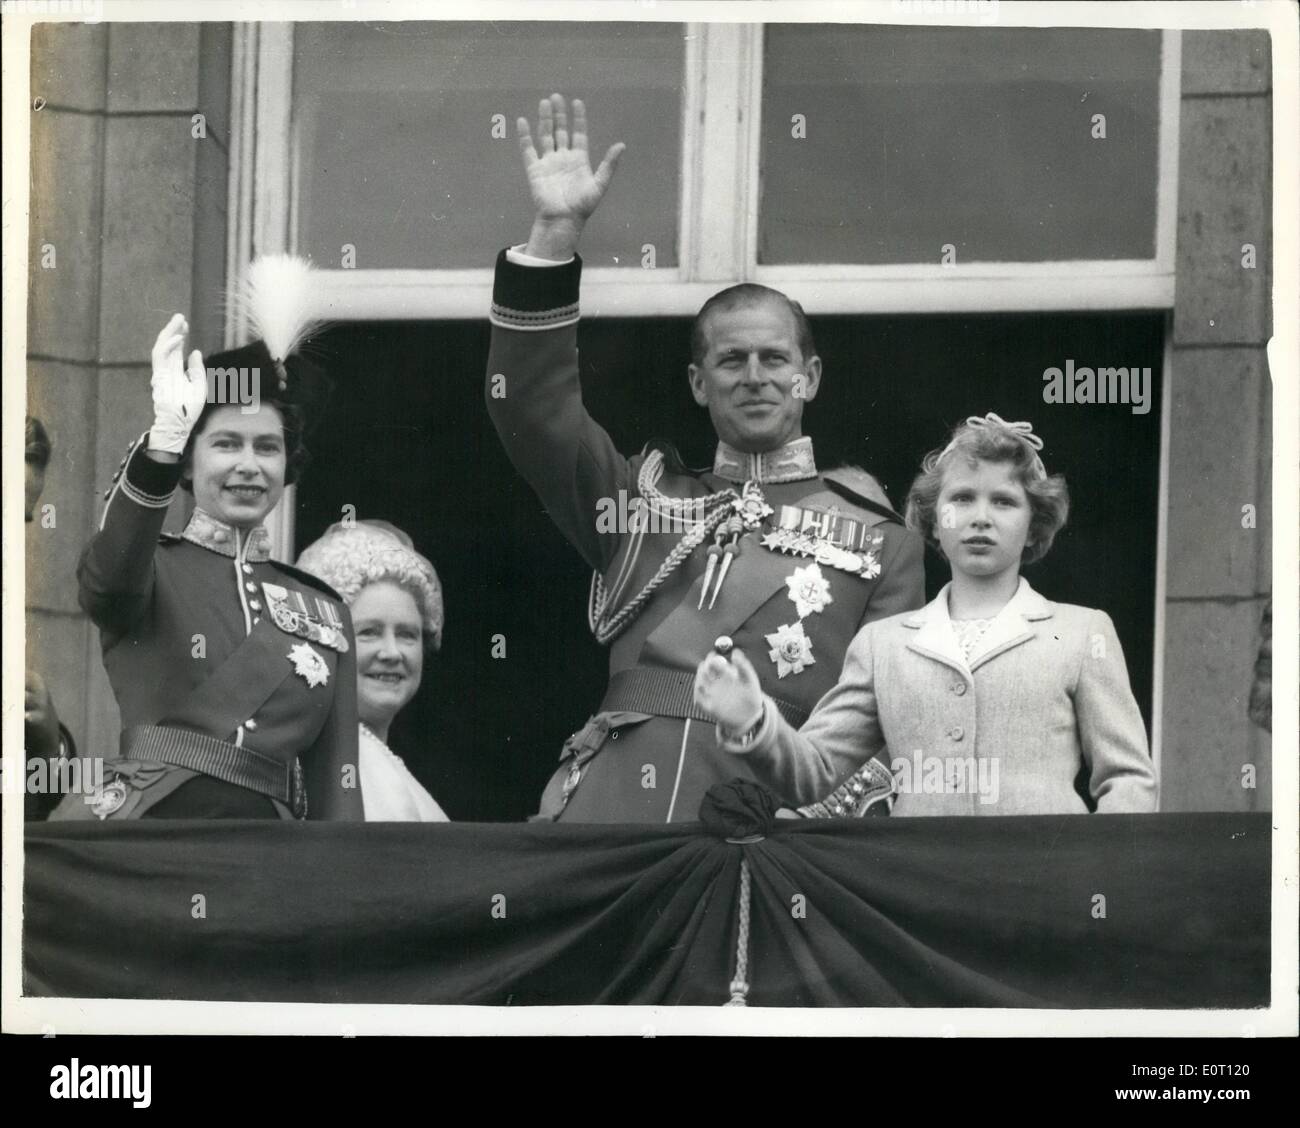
[{"x": 389, "y": 792}]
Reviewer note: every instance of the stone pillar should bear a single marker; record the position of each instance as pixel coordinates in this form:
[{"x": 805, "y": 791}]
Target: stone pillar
[
  {"x": 130, "y": 194},
  {"x": 1219, "y": 573}
]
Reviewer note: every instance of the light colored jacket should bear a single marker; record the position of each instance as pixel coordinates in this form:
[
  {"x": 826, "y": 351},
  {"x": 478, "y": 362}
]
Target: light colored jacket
[{"x": 1045, "y": 693}]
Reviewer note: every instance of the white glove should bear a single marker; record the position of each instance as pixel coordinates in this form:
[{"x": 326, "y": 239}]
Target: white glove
[
  {"x": 729, "y": 691},
  {"x": 178, "y": 394}
]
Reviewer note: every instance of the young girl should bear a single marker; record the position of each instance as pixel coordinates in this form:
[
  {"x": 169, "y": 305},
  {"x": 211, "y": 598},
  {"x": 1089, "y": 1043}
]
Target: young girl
[{"x": 989, "y": 699}]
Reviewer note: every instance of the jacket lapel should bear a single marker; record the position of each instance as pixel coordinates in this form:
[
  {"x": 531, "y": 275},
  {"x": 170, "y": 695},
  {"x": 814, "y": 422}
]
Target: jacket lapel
[
  {"x": 934, "y": 634},
  {"x": 1013, "y": 624}
]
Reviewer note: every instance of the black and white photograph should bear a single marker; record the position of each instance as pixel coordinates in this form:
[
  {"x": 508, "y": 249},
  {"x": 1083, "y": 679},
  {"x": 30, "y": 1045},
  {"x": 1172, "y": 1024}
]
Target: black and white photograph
[{"x": 651, "y": 518}]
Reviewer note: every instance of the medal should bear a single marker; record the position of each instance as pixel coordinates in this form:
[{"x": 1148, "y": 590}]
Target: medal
[
  {"x": 283, "y": 618},
  {"x": 751, "y": 507},
  {"x": 290, "y": 613},
  {"x": 791, "y": 649},
  {"x": 860, "y": 563},
  {"x": 809, "y": 589},
  {"x": 309, "y": 665},
  {"x": 108, "y": 799}
]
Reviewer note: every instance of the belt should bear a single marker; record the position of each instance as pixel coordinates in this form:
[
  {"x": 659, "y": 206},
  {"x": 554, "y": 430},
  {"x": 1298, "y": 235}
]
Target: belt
[
  {"x": 670, "y": 693},
  {"x": 230, "y": 763}
]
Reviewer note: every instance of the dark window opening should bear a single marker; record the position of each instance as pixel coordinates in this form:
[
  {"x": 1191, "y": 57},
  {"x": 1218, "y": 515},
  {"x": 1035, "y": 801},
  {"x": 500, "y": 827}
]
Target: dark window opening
[{"x": 406, "y": 438}]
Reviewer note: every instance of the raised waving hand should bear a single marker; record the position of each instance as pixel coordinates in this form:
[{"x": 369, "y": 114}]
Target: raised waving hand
[
  {"x": 180, "y": 390},
  {"x": 564, "y": 188}
]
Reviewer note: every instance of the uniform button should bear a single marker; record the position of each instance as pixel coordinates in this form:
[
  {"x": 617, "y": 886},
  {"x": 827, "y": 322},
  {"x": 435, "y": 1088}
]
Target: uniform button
[
  {"x": 220, "y": 536},
  {"x": 250, "y": 724},
  {"x": 248, "y": 571},
  {"x": 108, "y": 494},
  {"x": 250, "y": 587},
  {"x": 254, "y": 605},
  {"x": 959, "y": 688},
  {"x": 614, "y": 735},
  {"x": 957, "y": 732}
]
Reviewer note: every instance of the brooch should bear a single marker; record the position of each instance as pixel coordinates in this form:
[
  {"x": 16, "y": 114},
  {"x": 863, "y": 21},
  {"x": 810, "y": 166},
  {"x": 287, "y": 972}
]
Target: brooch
[
  {"x": 108, "y": 799},
  {"x": 309, "y": 665},
  {"x": 751, "y": 507},
  {"x": 791, "y": 649}
]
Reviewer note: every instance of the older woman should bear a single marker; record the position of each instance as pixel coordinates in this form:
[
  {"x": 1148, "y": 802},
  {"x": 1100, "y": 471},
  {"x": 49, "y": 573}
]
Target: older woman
[{"x": 396, "y": 604}]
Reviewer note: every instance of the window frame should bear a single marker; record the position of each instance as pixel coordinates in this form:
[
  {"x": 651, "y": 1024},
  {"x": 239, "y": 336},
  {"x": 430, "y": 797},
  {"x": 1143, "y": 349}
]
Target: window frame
[
  {"x": 722, "y": 85},
  {"x": 717, "y": 241}
]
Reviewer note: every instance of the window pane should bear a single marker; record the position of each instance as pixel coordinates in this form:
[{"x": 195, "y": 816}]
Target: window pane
[
  {"x": 395, "y": 146},
  {"x": 982, "y": 138}
]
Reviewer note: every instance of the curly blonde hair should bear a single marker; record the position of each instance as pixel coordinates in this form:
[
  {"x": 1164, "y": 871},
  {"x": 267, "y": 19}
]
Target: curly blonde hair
[
  {"x": 352, "y": 556},
  {"x": 992, "y": 440}
]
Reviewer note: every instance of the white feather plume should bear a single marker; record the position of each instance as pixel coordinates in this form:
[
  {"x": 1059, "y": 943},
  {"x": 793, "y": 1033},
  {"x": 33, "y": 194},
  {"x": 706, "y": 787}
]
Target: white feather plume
[{"x": 276, "y": 298}]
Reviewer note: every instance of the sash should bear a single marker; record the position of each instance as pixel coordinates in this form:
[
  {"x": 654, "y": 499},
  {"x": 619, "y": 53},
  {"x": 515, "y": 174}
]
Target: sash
[{"x": 238, "y": 688}]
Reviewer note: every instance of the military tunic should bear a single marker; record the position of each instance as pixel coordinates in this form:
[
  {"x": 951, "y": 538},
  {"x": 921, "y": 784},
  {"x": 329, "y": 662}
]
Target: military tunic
[
  {"x": 648, "y": 754},
  {"x": 231, "y": 670}
]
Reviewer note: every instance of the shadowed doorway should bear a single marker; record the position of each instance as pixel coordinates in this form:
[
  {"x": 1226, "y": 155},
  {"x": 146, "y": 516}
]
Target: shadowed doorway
[{"x": 406, "y": 438}]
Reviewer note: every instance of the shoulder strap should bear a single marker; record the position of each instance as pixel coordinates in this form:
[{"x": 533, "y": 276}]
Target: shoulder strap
[
  {"x": 849, "y": 484},
  {"x": 307, "y": 578}
]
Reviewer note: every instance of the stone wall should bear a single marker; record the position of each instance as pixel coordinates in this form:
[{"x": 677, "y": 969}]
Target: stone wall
[
  {"x": 1220, "y": 573},
  {"x": 133, "y": 208}
]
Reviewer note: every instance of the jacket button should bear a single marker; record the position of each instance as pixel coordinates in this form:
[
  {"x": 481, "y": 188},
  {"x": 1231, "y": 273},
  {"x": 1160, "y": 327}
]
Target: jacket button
[
  {"x": 250, "y": 587},
  {"x": 248, "y": 571},
  {"x": 959, "y": 688},
  {"x": 614, "y": 735},
  {"x": 254, "y": 605},
  {"x": 957, "y": 732},
  {"x": 250, "y": 724}
]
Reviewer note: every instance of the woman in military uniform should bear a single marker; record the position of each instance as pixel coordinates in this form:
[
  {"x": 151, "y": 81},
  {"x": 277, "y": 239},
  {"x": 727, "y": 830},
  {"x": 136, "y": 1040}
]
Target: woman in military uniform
[{"x": 235, "y": 674}]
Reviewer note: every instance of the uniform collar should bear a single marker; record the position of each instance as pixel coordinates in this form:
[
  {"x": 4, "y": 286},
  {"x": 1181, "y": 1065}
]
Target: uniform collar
[
  {"x": 216, "y": 536},
  {"x": 793, "y": 462}
]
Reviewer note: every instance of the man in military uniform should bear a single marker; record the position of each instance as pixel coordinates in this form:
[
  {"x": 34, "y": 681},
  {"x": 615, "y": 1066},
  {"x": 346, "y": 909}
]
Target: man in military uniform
[{"x": 765, "y": 551}]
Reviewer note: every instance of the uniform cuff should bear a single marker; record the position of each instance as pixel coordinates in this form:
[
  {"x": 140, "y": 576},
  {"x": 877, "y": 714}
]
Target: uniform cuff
[
  {"x": 533, "y": 298},
  {"x": 728, "y": 742},
  {"x": 520, "y": 257},
  {"x": 147, "y": 482}
]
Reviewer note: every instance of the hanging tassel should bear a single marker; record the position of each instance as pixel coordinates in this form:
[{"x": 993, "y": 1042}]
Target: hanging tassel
[{"x": 740, "y": 982}]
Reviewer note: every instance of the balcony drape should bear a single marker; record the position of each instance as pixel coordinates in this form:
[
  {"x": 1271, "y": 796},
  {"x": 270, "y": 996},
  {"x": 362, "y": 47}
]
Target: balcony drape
[{"x": 1086, "y": 911}]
